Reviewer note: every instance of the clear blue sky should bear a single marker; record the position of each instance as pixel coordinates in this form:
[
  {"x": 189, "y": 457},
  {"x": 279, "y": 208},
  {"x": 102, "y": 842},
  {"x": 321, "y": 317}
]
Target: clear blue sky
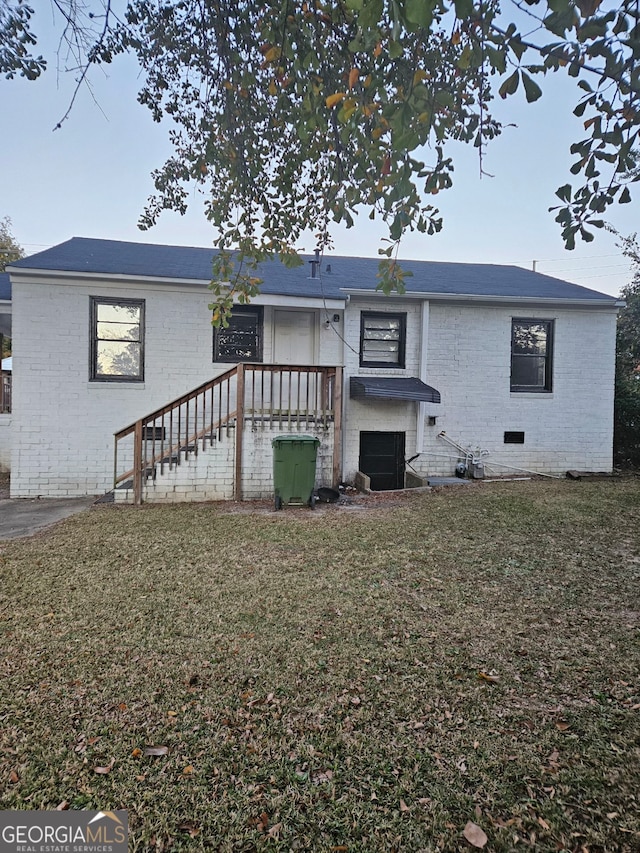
[{"x": 91, "y": 178}]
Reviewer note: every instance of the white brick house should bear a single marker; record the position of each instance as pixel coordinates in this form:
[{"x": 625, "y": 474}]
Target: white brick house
[{"x": 477, "y": 362}]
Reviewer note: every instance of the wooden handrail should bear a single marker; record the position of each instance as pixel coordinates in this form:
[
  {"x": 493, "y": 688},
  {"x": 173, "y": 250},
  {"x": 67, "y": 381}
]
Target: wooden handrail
[
  {"x": 205, "y": 411},
  {"x": 179, "y": 401}
]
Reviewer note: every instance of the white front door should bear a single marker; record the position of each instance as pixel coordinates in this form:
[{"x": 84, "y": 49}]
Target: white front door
[{"x": 295, "y": 340}]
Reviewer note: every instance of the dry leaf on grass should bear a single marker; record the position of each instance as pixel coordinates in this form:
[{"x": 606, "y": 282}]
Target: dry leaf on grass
[
  {"x": 102, "y": 771},
  {"x": 474, "y": 834},
  {"x": 190, "y": 827},
  {"x": 490, "y": 677},
  {"x": 156, "y": 750},
  {"x": 321, "y": 776},
  {"x": 63, "y": 806},
  {"x": 13, "y": 777}
]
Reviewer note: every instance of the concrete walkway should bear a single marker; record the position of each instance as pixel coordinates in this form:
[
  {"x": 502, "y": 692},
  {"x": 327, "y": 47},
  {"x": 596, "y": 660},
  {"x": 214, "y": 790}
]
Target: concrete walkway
[{"x": 23, "y": 516}]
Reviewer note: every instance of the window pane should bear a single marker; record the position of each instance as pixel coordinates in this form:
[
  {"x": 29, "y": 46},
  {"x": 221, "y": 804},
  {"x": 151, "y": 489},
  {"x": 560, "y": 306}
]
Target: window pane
[
  {"x": 530, "y": 338},
  {"x": 118, "y": 331},
  {"x": 382, "y": 339},
  {"x": 118, "y": 313},
  {"x": 116, "y": 358},
  {"x": 528, "y": 371},
  {"x": 384, "y": 325},
  {"x": 381, "y": 350},
  {"x": 241, "y": 340},
  {"x": 381, "y": 334}
]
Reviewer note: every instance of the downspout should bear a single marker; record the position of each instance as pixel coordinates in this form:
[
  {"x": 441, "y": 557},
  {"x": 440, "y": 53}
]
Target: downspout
[{"x": 424, "y": 340}]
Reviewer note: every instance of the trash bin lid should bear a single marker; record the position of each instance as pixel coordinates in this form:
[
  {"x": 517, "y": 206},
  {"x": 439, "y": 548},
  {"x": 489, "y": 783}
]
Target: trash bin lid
[{"x": 290, "y": 439}]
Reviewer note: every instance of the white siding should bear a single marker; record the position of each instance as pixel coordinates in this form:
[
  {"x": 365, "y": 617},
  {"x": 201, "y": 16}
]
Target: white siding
[
  {"x": 209, "y": 476},
  {"x": 63, "y": 424},
  {"x": 5, "y": 443},
  {"x": 468, "y": 361}
]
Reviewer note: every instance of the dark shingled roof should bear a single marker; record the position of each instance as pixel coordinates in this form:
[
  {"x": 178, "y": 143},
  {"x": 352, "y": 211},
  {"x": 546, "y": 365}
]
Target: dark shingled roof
[
  {"x": 339, "y": 274},
  {"x": 5, "y": 286}
]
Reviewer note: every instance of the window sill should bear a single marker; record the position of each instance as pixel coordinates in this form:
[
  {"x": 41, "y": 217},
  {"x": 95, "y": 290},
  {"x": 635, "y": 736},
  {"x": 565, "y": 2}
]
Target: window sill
[
  {"x": 97, "y": 384},
  {"x": 545, "y": 395}
]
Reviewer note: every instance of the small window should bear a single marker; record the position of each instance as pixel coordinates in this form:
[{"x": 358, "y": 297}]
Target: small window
[
  {"x": 514, "y": 438},
  {"x": 117, "y": 339},
  {"x": 242, "y": 339},
  {"x": 382, "y": 339},
  {"x": 531, "y": 352}
]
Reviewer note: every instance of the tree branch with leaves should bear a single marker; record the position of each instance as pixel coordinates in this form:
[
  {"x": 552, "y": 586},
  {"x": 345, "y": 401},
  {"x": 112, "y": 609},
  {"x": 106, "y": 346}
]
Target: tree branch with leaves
[{"x": 297, "y": 115}]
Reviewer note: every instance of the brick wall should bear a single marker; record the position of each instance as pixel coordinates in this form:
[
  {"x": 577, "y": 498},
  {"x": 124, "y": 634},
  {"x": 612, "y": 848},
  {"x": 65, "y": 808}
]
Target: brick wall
[
  {"x": 5, "y": 443},
  {"x": 63, "y": 424},
  {"x": 468, "y": 361},
  {"x": 209, "y": 476}
]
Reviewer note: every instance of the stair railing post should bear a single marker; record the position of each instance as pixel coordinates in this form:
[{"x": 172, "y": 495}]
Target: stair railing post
[
  {"x": 239, "y": 432},
  {"x": 337, "y": 427},
  {"x": 137, "y": 463}
]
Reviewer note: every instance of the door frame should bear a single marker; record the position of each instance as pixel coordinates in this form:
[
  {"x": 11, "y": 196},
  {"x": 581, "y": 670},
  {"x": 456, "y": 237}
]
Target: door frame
[{"x": 314, "y": 330}]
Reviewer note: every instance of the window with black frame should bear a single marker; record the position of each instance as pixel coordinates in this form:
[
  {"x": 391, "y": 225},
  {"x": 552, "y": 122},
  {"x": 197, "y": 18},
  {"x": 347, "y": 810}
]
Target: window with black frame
[
  {"x": 531, "y": 355},
  {"x": 382, "y": 339},
  {"x": 117, "y": 340},
  {"x": 241, "y": 340}
]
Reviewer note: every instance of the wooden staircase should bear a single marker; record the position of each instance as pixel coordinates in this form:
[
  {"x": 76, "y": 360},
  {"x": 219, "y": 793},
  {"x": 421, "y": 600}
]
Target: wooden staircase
[{"x": 257, "y": 396}]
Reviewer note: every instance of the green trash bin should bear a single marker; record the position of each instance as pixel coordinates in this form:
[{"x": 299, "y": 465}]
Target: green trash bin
[{"x": 294, "y": 469}]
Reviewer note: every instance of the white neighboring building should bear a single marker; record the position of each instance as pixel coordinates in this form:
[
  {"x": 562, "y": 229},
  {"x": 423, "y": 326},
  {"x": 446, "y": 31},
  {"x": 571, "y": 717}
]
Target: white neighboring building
[
  {"x": 5, "y": 376},
  {"x": 474, "y": 362}
]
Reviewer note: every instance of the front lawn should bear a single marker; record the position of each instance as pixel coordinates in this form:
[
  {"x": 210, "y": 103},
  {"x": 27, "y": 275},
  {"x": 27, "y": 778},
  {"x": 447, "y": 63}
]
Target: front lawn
[{"x": 373, "y": 678}]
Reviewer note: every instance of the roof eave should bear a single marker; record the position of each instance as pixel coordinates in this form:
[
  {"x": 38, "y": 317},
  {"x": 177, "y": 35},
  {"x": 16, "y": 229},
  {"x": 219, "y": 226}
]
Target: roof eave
[
  {"x": 123, "y": 279},
  {"x": 475, "y": 297}
]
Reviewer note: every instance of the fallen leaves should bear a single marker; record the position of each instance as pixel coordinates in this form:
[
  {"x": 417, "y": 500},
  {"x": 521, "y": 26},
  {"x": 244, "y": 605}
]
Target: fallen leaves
[
  {"x": 552, "y": 762},
  {"x": 474, "y": 834},
  {"x": 156, "y": 751},
  {"x": 320, "y": 776},
  {"x": 489, "y": 677},
  {"x": 104, "y": 770},
  {"x": 191, "y": 828}
]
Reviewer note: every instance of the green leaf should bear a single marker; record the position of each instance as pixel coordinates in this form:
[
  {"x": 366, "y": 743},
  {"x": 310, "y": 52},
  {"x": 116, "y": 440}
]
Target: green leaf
[
  {"x": 419, "y": 12},
  {"x": 371, "y": 13},
  {"x": 464, "y": 8},
  {"x": 518, "y": 47},
  {"x": 510, "y": 85},
  {"x": 559, "y": 22},
  {"x": 531, "y": 88},
  {"x": 395, "y": 49}
]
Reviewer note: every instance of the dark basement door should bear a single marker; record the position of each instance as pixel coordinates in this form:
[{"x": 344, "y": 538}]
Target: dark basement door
[{"x": 382, "y": 459}]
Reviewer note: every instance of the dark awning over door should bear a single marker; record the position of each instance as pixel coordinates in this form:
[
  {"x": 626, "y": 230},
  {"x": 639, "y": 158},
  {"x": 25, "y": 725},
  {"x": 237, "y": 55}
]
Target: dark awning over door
[{"x": 392, "y": 388}]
